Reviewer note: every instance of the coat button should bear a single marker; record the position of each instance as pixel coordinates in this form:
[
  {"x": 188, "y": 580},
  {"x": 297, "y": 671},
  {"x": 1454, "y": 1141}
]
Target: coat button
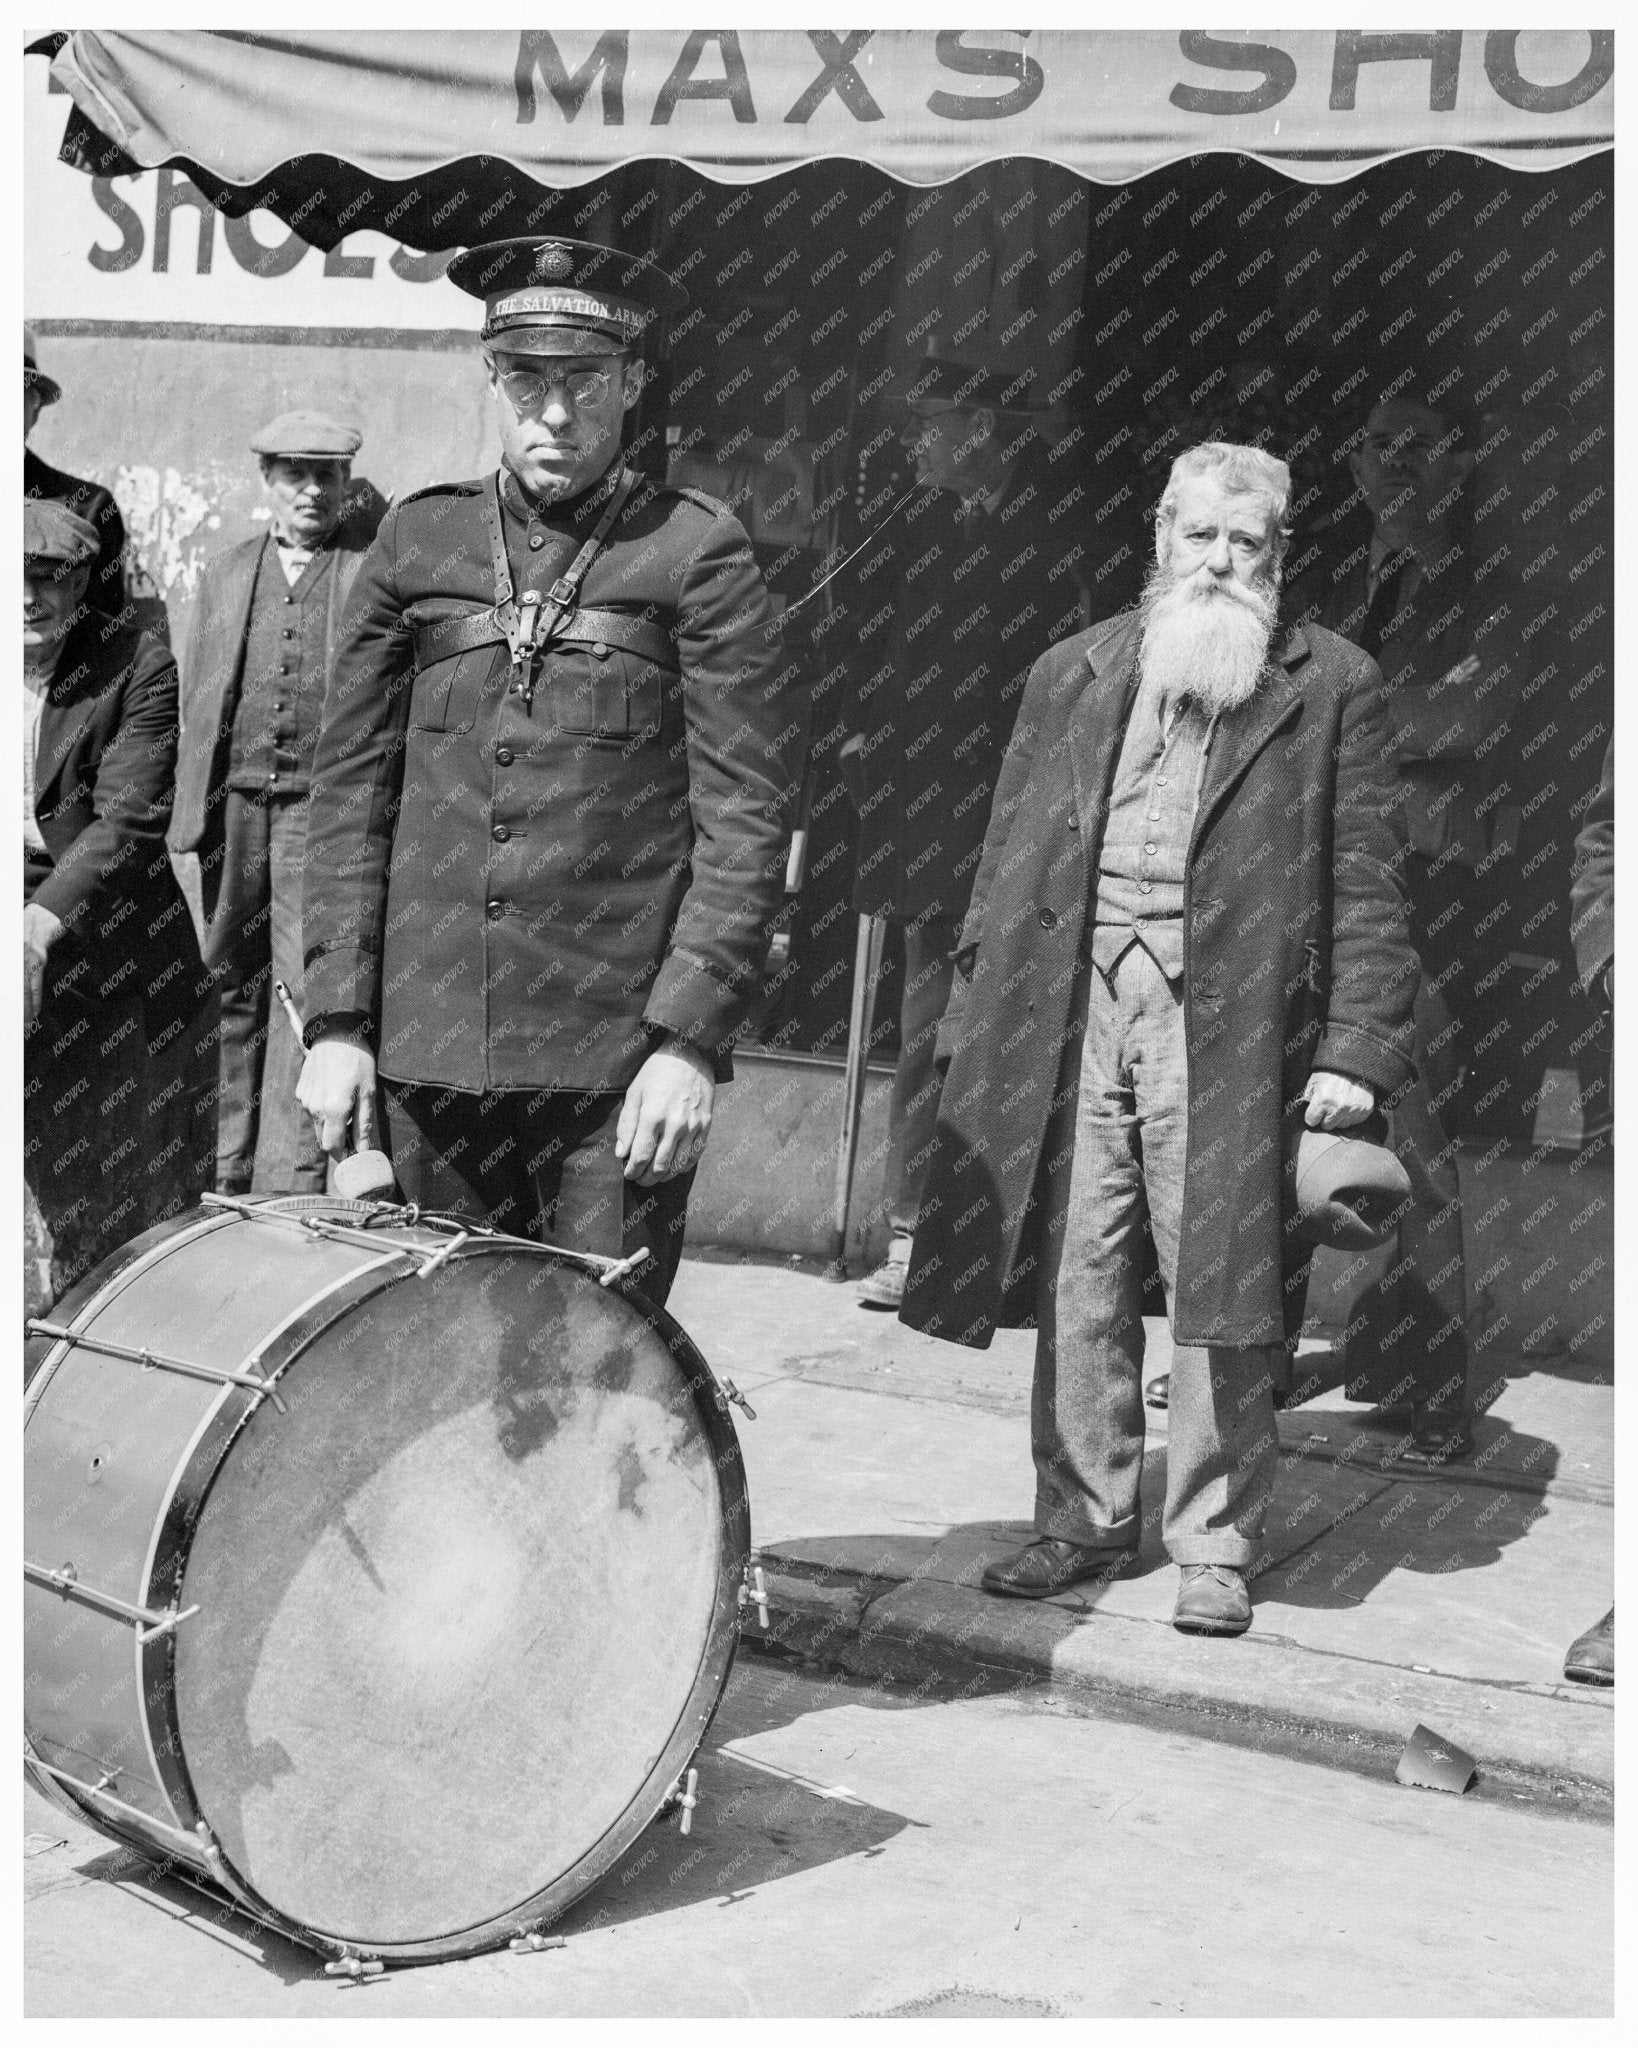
[
  {"x": 503, "y": 756},
  {"x": 1049, "y": 920},
  {"x": 1073, "y": 822},
  {"x": 537, "y": 540},
  {"x": 501, "y": 833},
  {"x": 494, "y": 912}
]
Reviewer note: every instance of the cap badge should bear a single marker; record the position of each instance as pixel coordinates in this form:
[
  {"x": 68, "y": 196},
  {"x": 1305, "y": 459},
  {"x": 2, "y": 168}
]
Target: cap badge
[{"x": 553, "y": 262}]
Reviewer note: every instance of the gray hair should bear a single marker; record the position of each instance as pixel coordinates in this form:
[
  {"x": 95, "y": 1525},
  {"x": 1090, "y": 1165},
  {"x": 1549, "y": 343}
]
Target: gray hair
[{"x": 1236, "y": 466}]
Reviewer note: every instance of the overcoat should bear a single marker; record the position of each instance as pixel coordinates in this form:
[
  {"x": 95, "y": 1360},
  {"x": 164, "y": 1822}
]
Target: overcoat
[
  {"x": 1295, "y": 953},
  {"x": 951, "y": 614},
  {"x": 527, "y": 892},
  {"x": 213, "y": 673},
  {"x": 103, "y": 778},
  {"x": 1450, "y": 739}
]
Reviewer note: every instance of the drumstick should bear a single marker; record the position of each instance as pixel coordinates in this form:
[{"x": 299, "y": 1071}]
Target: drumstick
[{"x": 365, "y": 1173}]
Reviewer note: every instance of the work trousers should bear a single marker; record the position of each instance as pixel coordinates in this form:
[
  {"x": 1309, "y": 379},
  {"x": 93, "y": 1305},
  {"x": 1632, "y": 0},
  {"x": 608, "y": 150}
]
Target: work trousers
[
  {"x": 912, "y": 1114},
  {"x": 537, "y": 1164},
  {"x": 252, "y": 902},
  {"x": 1412, "y": 1346},
  {"x": 1087, "y": 1418}
]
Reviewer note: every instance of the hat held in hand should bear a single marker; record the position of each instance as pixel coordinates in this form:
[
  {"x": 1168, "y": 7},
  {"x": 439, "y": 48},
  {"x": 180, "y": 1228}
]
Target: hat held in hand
[{"x": 1349, "y": 1191}]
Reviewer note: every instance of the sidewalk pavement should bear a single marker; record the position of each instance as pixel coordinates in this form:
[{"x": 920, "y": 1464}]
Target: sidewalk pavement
[{"x": 886, "y": 1468}]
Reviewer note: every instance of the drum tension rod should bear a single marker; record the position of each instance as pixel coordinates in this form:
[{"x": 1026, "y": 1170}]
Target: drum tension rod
[
  {"x": 351, "y": 1967},
  {"x": 158, "y": 1361},
  {"x": 684, "y": 1794},
  {"x": 733, "y": 1394},
  {"x": 148, "y": 1621},
  {"x": 753, "y": 1592}
]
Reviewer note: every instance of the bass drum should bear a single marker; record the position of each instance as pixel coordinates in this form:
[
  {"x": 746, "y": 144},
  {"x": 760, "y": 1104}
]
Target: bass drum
[{"x": 383, "y": 1576}]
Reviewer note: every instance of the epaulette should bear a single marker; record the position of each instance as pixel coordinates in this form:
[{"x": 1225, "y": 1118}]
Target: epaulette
[
  {"x": 704, "y": 499},
  {"x": 467, "y": 488}
]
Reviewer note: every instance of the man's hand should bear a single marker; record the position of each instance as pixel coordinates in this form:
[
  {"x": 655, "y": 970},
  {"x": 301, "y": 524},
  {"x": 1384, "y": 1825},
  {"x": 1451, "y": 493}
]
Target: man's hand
[
  {"x": 42, "y": 929},
  {"x": 1335, "y": 1103},
  {"x": 666, "y": 1115},
  {"x": 337, "y": 1088}
]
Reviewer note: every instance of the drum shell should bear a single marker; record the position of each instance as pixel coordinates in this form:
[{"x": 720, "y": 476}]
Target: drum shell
[{"x": 99, "y": 1699}]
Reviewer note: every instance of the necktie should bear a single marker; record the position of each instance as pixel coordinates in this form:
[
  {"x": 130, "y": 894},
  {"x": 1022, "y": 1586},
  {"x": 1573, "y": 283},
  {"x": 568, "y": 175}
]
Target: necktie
[{"x": 1379, "y": 612}]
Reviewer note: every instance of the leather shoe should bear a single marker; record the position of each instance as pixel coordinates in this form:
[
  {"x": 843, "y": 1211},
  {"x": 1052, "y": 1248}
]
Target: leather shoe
[
  {"x": 1048, "y": 1564},
  {"x": 1439, "y": 1436},
  {"x": 1212, "y": 1600},
  {"x": 1592, "y": 1657}
]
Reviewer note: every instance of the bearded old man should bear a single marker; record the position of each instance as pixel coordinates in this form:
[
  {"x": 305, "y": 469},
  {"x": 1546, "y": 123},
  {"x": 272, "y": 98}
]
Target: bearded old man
[{"x": 1186, "y": 940}]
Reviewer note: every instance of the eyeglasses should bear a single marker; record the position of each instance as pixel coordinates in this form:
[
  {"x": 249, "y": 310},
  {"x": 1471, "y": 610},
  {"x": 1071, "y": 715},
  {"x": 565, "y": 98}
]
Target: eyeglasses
[{"x": 529, "y": 389}]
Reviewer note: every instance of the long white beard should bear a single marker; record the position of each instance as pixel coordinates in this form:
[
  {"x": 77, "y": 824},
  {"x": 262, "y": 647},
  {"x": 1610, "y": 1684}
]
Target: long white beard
[{"x": 1206, "y": 639}]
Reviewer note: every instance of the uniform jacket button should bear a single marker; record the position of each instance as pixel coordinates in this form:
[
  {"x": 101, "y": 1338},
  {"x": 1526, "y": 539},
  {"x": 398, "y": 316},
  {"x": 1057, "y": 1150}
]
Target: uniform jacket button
[
  {"x": 494, "y": 911},
  {"x": 501, "y": 833},
  {"x": 1073, "y": 822},
  {"x": 537, "y": 540},
  {"x": 1049, "y": 920},
  {"x": 503, "y": 756}
]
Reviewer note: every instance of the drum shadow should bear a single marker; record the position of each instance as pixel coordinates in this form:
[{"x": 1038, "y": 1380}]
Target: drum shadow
[{"x": 210, "y": 1914}]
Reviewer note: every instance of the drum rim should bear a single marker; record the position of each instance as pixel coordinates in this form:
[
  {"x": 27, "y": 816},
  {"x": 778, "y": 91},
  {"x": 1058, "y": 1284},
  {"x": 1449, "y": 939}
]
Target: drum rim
[{"x": 172, "y": 1548}]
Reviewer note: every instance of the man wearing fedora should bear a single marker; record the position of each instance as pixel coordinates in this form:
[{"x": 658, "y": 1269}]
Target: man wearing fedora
[
  {"x": 88, "y": 501},
  {"x": 266, "y": 625},
  {"x": 982, "y": 578},
  {"x": 1186, "y": 943},
  {"x": 551, "y": 798}
]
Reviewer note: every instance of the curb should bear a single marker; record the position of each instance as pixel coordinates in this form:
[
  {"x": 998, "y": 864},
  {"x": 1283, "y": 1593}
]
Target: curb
[{"x": 1551, "y": 1746}]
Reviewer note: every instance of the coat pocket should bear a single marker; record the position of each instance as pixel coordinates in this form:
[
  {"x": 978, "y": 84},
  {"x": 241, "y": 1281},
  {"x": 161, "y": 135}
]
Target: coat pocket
[
  {"x": 445, "y": 696},
  {"x": 601, "y": 692}
]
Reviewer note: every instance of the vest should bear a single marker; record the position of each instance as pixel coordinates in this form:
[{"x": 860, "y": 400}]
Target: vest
[
  {"x": 1145, "y": 850},
  {"x": 281, "y": 692}
]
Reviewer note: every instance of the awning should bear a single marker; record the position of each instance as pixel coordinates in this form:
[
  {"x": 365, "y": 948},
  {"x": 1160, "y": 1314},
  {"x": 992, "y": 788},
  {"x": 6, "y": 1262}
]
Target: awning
[{"x": 382, "y": 128}]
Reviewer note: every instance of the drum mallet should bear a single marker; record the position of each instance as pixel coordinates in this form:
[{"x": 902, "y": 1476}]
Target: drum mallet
[{"x": 365, "y": 1175}]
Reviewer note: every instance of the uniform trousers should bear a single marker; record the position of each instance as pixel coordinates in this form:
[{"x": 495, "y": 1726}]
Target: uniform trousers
[
  {"x": 912, "y": 1114},
  {"x": 252, "y": 904},
  {"x": 1087, "y": 1418},
  {"x": 537, "y": 1163}
]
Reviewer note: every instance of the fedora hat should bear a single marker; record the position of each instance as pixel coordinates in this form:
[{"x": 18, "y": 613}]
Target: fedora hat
[{"x": 1349, "y": 1192}]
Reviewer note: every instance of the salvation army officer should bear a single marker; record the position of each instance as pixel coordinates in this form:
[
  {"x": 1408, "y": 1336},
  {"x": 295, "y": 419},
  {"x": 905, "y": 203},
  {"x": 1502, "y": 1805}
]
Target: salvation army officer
[{"x": 550, "y": 799}]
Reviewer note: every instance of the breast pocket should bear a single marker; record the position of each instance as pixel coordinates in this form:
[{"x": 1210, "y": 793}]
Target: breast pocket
[
  {"x": 445, "y": 695},
  {"x": 601, "y": 692}
]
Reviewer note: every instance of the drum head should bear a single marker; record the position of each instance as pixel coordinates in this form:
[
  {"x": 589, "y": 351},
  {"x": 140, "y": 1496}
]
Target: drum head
[{"x": 455, "y": 1605}]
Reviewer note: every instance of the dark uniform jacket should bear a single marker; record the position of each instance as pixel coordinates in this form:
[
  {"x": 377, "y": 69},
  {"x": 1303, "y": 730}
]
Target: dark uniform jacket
[
  {"x": 1450, "y": 738},
  {"x": 107, "y": 586},
  {"x": 214, "y": 671},
  {"x": 103, "y": 779},
  {"x": 952, "y": 613},
  {"x": 512, "y": 897},
  {"x": 1295, "y": 956}
]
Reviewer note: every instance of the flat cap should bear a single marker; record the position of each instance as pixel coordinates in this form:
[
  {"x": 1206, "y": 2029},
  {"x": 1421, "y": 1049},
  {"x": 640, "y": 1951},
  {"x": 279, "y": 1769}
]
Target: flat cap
[
  {"x": 48, "y": 387},
  {"x": 51, "y": 533},
  {"x": 547, "y": 296},
  {"x": 308, "y": 433}
]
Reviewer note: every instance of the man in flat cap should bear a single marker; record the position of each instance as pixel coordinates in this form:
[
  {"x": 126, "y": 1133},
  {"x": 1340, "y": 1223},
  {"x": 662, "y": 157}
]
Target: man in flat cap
[
  {"x": 106, "y": 589},
  {"x": 551, "y": 798},
  {"x": 981, "y": 573},
  {"x": 116, "y": 1102},
  {"x": 266, "y": 625}
]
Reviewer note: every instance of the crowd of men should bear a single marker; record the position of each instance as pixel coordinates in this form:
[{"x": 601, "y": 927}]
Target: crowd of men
[{"x": 490, "y": 799}]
